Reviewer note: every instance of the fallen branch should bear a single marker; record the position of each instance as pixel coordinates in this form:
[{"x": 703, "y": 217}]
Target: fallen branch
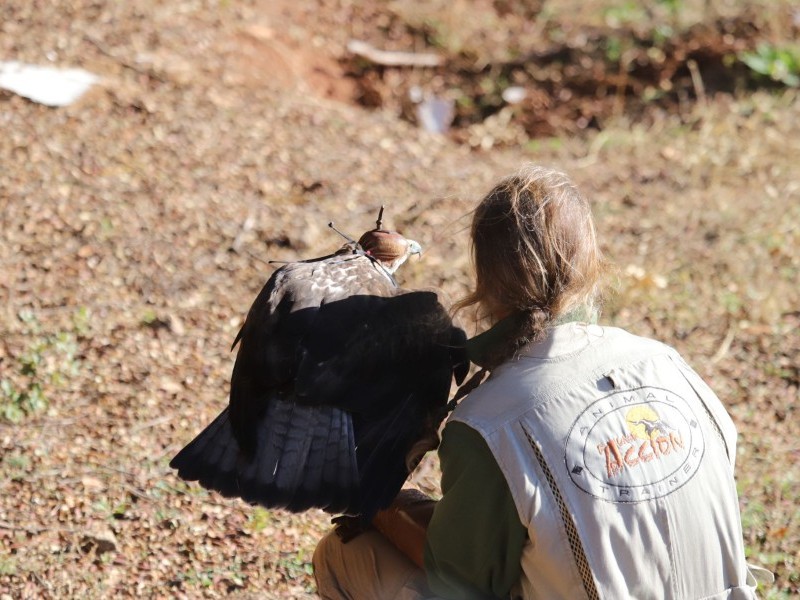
[
  {"x": 390, "y": 58},
  {"x": 122, "y": 61},
  {"x": 725, "y": 345},
  {"x": 697, "y": 80}
]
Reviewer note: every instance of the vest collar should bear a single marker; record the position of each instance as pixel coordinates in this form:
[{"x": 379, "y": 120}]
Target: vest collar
[{"x": 558, "y": 339}]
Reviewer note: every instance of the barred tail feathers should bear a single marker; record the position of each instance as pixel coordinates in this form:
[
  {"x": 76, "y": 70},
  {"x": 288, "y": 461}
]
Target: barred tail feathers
[{"x": 304, "y": 457}]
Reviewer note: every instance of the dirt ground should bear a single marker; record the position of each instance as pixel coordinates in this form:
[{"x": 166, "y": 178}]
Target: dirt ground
[{"x": 137, "y": 226}]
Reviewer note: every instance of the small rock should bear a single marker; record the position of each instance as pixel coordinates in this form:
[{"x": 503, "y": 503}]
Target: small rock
[
  {"x": 92, "y": 483},
  {"x": 99, "y": 541},
  {"x": 170, "y": 386},
  {"x": 514, "y": 94}
]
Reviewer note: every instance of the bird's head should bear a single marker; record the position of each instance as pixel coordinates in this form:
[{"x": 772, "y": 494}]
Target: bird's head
[{"x": 389, "y": 248}]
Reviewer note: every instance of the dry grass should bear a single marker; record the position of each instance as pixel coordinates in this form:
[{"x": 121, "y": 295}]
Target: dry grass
[{"x": 135, "y": 229}]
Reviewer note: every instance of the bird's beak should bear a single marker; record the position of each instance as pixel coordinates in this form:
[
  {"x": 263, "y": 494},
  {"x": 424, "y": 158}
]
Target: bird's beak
[{"x": 414, "y": 248}]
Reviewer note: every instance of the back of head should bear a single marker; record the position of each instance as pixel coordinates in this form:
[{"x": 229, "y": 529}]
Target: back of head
[{"x": 535, "y": 253}]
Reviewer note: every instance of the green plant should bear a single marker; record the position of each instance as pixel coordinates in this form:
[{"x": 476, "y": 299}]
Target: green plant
[
  {"x": 8, "y": 566},
  {"x": 781, "y": 64},
  {"x": 614, "y": 48},
  {"x": 625, "y": 13},
  {"x": 206, "y": 578},
  {"x": 48, "y": 360},
  {"x": 16, "y": 465},
  {"x": 295, "y": 566},
  {"x": 259, "y": 519},
  {"x": 673, "y": 8}
]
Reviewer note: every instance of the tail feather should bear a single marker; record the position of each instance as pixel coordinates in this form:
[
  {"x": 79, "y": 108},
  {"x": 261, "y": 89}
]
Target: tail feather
[
  {"x": 329, "y": 478},
  {"x": 211, "y": 457},
  {"x": 225, "y": 479},
  {"x": 304, "y": 457},
  {"x": 295, "y": 464},
  {"x": 344, "y": 461},
  {"x": 258, "y": 474},
  {"x": 216, "y": 455},
  {"x": 310, "y": 490}
]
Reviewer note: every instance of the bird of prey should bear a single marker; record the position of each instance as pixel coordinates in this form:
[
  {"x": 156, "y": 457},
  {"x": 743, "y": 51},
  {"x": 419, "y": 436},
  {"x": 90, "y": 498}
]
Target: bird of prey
[
  {"x": 651, "y": 426},
  {"x": 339, "y": 374}
]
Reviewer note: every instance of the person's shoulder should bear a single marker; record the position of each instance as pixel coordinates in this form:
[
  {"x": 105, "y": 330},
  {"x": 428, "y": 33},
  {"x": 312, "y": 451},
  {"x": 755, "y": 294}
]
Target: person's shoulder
[
  {"x": 619, "y": 335},
  {"x": 480, "y": 399}
]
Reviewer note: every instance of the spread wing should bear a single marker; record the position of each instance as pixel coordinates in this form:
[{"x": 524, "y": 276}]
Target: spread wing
[{"x": 339, "y": 372}]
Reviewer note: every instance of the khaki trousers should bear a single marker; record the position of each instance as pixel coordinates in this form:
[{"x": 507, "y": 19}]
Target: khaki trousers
[{"x": 367, "y": 567}]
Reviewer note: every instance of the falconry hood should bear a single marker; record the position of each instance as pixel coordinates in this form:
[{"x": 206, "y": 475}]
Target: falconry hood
[{"x": 390, "y": 248}]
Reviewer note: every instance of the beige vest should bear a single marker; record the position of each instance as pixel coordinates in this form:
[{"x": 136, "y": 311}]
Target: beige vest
[{"x": 620, "y": 461}]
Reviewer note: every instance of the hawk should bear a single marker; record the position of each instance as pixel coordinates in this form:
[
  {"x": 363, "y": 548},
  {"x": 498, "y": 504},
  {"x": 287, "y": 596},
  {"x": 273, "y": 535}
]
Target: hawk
[{"x": 340, "y": 373}]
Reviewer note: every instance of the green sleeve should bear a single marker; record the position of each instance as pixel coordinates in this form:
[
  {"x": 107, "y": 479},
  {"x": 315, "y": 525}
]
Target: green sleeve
[{"x": 474, "y": 541}]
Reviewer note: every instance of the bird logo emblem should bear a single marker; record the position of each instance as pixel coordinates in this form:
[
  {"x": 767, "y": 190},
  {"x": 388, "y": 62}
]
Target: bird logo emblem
[{"x": 645, "y": 423}]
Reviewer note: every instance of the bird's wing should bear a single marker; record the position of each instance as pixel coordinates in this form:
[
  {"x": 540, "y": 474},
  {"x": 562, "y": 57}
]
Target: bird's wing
[
  {"x": 283, "y": 316},
  {"x": 362, "y": 348},
  {"x": 389, "y": 362},
  {"x": 338, "y": 374}
]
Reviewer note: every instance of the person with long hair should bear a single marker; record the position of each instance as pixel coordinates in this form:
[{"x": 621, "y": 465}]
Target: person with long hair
[{"x": 592, "y": 463}]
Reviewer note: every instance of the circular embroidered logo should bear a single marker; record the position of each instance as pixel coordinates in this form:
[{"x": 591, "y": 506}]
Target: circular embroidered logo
[{"x": 634, "y": 445}]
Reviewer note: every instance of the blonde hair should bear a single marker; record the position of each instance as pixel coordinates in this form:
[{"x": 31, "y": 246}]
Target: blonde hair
[{"x": 535, "y": 253}]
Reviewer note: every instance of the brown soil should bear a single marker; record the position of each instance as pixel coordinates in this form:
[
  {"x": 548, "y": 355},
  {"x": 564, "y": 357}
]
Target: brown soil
[{"x": 137, "y": 225}]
